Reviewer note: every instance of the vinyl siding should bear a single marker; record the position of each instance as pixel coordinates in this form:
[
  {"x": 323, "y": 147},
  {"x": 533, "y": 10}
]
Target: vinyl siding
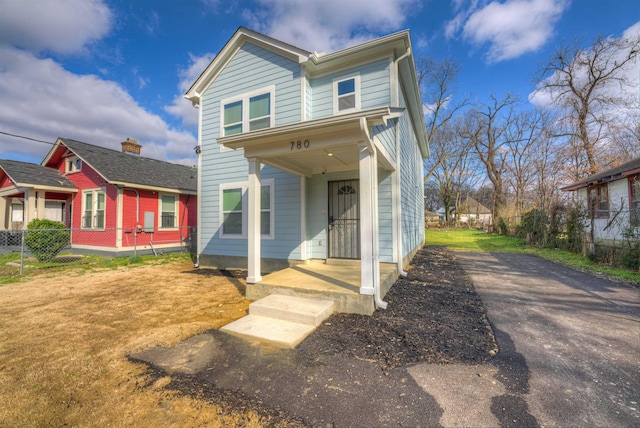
[
  {"x": 374, "y": 87},
  {"x": 411, "y": 193},
  {"x": 386, "y": 135},
  {"x": 385, "y": 216},
  {"x": 250, "y": 69}
]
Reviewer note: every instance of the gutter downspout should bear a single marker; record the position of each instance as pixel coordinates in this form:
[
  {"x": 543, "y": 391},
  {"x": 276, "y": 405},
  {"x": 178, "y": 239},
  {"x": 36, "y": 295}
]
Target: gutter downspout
[
  {"x": 398, "y": 198},
  {"x": 376, "y": 240},
  {"x": 373, "y": 206},
  {"x": 137, "y": 202}
]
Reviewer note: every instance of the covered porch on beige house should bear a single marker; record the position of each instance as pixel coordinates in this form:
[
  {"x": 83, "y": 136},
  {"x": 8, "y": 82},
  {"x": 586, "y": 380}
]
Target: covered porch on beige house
[{"x": 311, "y": 148}]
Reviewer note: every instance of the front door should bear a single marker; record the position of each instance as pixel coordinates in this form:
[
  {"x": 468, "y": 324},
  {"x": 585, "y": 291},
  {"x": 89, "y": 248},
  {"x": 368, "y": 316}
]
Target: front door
[{"x": 344, "y": 219}]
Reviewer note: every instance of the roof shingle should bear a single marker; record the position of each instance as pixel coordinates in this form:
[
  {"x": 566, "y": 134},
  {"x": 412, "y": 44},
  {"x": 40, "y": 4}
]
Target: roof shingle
[
  {"x": 30, "y": 173},
  {"x": 114, "y": 165}
]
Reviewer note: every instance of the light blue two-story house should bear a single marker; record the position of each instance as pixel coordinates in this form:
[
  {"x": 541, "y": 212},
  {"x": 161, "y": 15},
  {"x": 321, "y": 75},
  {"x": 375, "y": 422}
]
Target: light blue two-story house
[{"x": 309, "y": 156}]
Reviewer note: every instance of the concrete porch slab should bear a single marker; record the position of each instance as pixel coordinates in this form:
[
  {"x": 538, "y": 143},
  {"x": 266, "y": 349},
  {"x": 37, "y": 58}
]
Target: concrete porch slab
[
  {"x": 339, "y": 282},
  {"x": 293, "y": 308},
  {"x": 281, "y": 333}
]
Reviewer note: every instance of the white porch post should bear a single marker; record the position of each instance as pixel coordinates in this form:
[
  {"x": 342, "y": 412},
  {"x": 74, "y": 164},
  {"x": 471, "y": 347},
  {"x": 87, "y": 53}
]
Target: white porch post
[
  {"x": 366, "y": 219},
  {"x": 253, "y": 226},
  {"x": 40, "y": 204}
]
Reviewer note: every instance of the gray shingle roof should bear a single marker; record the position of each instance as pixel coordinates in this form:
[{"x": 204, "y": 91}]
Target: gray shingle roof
[
  {"x": 606, "y": 175},
  {"x": 114, "y": 165},
  {"x": 30, "y": 173}
]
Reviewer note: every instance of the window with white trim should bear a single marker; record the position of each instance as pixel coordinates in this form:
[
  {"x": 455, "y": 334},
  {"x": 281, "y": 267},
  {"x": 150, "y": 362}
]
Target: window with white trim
[
  {"x": 17, "y": 212},
  {"x": 73, "y": 164},
  {"x": 234, "y": 209},
  {"x": 93, "y": 209},
  {"x": 168, "y": 209},
  {"x": 247, "y": 112},
  {"x": 346, "y": 94}
]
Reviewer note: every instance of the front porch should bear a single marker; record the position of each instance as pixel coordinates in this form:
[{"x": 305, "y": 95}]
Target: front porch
[{"x": 337, "y": 280}]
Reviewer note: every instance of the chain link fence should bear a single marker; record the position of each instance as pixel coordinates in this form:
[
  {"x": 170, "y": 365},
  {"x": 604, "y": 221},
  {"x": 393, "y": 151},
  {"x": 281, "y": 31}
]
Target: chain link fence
[
  {"x": 42, "y": 248},
  {"x": 611, "y": 237}
]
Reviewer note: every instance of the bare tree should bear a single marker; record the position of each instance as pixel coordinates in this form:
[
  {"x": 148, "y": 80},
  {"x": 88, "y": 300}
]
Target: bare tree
[
  {"x": 527, "y": 133},
  {"x": 453, "y": 166},
  {"x": 488, "y": 132},
  {"x": 437, "y": 81},
  {"x": 590, "y": 87}
]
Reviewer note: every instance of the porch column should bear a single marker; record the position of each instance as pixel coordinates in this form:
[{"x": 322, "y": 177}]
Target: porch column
[
  {"x": 29, "y": 210},
  {"x": 40, "y": 204},
  {"x": 253, "y": 226},
  {"x": 366, "y": 219}
]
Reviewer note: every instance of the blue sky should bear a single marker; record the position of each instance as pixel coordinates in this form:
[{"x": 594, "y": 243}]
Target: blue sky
[{"x": 100, "y": 71}]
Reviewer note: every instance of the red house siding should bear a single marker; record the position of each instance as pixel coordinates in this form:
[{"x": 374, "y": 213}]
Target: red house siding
[
  {"x": 5, "y": 182},
  {"x": 89, "y": 179}
]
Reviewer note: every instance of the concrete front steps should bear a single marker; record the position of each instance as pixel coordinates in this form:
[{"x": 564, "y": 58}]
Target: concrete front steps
[{"x": 283, "y": 321}]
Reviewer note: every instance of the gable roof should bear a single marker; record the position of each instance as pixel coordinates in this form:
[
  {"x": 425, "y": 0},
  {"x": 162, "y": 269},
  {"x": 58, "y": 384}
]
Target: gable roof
[
  {"x": 227, "y": 52},
  {"x": 127, "y": 169},
  {"x": 616, "y": 173},
  {"x": 398, "y": 43},
  {"x": 25, "y": 174},
  {"x": 471, "y": 206}
]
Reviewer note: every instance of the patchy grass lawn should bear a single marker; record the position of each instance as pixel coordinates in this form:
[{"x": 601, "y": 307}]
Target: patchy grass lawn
[
  {"x": 65, "y": 337},
  {"x": 473, "y": 240}
]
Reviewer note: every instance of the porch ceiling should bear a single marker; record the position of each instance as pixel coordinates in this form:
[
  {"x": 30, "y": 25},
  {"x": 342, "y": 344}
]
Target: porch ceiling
[{"x": 314, "y": 146}]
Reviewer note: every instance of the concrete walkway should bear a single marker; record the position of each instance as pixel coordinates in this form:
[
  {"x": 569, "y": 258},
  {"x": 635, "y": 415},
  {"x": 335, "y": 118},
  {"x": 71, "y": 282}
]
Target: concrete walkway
[{"x": 569, "y": 342}]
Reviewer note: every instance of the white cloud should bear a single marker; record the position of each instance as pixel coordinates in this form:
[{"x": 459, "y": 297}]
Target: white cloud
[
  {"x": 40, "y": 99},
  {"x": 328, "y": 25},
  {"x": 511, "y": 28},
  {"x": 61, "y": 26},
  {"x": 180, "y": 107}
]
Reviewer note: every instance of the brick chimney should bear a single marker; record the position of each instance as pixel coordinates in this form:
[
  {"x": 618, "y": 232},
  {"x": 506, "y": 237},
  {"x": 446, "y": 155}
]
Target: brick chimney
[{"x": 131, "y": 146}]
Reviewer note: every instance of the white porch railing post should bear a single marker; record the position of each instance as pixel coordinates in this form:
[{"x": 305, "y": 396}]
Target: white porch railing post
[
  {"x": 253, "y": 223},
  {"x": 366, "y": 220}
]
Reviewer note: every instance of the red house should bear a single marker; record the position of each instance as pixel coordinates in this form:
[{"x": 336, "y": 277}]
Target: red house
[{"x": 112, "y": 201}]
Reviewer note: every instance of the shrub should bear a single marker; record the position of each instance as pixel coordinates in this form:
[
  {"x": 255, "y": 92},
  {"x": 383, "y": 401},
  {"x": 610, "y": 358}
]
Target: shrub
[
  {"x": 46, "y": 238},
  {"x": 631, "y": 252},
  {"x": 575, "y": 222},
  {"x": 503, "y": 227},
  {"x": 533, "y": 226}
]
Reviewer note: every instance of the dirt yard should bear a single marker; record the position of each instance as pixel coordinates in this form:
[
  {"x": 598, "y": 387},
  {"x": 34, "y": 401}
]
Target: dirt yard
[{"x": 64, "y": 341}]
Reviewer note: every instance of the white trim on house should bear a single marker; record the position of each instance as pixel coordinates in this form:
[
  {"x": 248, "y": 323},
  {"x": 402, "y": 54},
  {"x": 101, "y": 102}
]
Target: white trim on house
[
  {"x": 243, "y": 186},
  {"x": 154, "y": 188},
  {"x": 176, "y": 211},
  {"x": 337, "y": 97},
  {"x": 95, "y": 193},
  {"x": 244, "y": 99},
  {"x": 225, "y": 55},
  {"x": 72, "y": 164}
]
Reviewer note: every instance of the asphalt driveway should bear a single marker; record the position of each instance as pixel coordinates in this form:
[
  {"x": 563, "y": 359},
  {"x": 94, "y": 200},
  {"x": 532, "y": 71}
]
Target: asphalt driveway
[{"x": 569, "y": 342}]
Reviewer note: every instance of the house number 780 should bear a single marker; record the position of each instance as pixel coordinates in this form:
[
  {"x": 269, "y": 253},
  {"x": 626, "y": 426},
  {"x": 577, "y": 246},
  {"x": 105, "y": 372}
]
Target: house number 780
[{"x": 300, "y": 144}]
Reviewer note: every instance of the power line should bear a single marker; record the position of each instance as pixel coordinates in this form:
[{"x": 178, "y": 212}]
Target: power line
[{"x": 27, "y": 138}]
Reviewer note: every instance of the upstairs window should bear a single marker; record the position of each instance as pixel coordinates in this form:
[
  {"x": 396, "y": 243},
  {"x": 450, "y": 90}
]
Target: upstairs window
[
  {"x": 248, "y": 112},
  {"x": 233, "y": 118},
  {"x": 346, "y": 94},
  {"x": 73, "y": 164},
  {"x": 599, "y": 200}
]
